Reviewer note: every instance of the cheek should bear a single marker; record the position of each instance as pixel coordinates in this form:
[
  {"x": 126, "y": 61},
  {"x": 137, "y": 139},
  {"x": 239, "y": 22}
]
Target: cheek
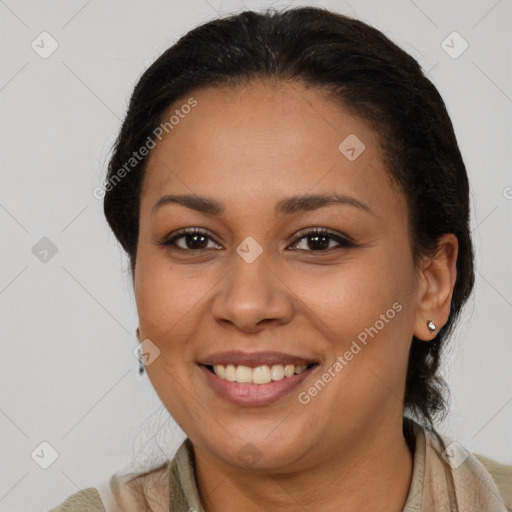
[
  {"x": 363, "y": 311},
  {"x": 157, "y": 285},
  {"x": 162, "y": 296},
  {"x": 353, "y": 296},
  {"x": 167, "y": 304},
  {"x": 172, "y": 301}
]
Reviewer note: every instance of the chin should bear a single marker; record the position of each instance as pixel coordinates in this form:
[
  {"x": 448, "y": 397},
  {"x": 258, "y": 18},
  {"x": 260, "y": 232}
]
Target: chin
[{"x": 254, "y": 448}]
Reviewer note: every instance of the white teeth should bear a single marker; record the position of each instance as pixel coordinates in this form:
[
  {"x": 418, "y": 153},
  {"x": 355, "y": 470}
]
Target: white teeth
[
  {"x": 257, "y": 375},
  {"x": 261, "y": 375},
  {"x": 277, "y": 372},
  {"x": 230, "y": 373},
  {"x": 220, "y": 370},
  {"x": 288, "y": 370},
  {"x": 243, "y": 374}
]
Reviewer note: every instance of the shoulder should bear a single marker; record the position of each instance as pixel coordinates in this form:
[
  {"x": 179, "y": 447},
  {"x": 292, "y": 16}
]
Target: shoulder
[
  {"x": 123, "y": 491},
  {"x": 86, "y": 500},
  {"x": 502, "y": 476},
  {"x": 475, "y": 476}
]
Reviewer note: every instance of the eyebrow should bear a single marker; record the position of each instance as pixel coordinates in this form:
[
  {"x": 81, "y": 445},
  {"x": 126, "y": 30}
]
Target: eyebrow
[{"x": 286, "y": 206}]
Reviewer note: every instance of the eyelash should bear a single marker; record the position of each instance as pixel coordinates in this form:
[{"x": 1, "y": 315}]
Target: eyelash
[{"x": 182, "y": 233}]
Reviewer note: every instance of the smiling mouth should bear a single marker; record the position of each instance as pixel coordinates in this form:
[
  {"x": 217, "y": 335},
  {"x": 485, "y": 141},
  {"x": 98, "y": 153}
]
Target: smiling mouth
[{"x": 263, "y": 374}]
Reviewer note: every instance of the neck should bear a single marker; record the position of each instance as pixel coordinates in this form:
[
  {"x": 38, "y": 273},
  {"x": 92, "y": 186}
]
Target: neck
[{"x": 374, "y": 473}]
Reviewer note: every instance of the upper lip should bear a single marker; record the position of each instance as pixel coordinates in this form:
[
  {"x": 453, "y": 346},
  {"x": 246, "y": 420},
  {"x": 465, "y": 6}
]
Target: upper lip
[{"x": 265, "y": 357}]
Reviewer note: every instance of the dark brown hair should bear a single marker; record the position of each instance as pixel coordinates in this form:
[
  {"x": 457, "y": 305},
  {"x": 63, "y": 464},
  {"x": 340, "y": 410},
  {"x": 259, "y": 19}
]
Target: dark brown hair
[{"x": 369, "y": 75}]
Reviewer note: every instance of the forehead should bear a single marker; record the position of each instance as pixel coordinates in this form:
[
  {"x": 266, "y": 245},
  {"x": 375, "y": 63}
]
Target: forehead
[{"x": 263, "y": 140}]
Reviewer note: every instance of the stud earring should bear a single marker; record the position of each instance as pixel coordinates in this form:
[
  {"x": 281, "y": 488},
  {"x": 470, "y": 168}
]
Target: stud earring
[{"x": 431, "y": 326}]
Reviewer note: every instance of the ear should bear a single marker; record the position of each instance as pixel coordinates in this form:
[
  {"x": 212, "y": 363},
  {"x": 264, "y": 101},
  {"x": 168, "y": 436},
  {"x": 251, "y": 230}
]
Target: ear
[{"x": 436, "y": 287}]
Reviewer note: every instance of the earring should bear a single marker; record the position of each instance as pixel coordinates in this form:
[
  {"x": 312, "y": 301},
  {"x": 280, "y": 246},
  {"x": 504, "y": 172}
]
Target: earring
[
  {"x": 139, "y": 355},
  {"x": 141, "y": 364},
  {"x": 431, "y": 326}
]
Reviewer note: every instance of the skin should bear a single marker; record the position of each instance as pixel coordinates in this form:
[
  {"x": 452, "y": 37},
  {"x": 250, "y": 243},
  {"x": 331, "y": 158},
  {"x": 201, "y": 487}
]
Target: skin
[{"x": 249, "y": 147}]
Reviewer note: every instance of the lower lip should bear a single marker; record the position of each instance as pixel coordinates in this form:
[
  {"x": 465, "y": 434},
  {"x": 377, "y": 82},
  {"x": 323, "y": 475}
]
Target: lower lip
[{"x": 250, "y": 394}]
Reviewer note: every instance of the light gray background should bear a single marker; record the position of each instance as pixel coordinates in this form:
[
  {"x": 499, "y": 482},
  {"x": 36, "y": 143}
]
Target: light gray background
[{"x": 68, "y": 374}]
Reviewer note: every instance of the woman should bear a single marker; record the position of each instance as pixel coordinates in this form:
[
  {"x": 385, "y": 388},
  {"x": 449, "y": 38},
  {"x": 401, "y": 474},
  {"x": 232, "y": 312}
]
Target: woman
[{"x": 290, "y": 193}]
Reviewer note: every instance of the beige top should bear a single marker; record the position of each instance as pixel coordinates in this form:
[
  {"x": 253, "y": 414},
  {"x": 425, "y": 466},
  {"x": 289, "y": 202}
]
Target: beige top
[{"x": 445, "y": 478}]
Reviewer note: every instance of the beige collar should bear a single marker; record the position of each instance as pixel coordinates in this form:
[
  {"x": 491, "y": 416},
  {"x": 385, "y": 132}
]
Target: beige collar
[{"x": 448, "y": 478}]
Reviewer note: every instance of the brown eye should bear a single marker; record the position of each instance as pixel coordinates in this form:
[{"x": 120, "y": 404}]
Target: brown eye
[
  {"x": 194, "y": 239},
  {"x": 319, "y": 239}
]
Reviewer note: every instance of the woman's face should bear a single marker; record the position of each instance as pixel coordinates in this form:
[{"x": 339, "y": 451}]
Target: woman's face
[{"x": 255, "y": 282}]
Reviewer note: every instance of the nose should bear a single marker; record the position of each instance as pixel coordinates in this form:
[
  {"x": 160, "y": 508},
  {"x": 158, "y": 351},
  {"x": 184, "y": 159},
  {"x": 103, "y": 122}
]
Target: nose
[{"x": 252, "y": 295}]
